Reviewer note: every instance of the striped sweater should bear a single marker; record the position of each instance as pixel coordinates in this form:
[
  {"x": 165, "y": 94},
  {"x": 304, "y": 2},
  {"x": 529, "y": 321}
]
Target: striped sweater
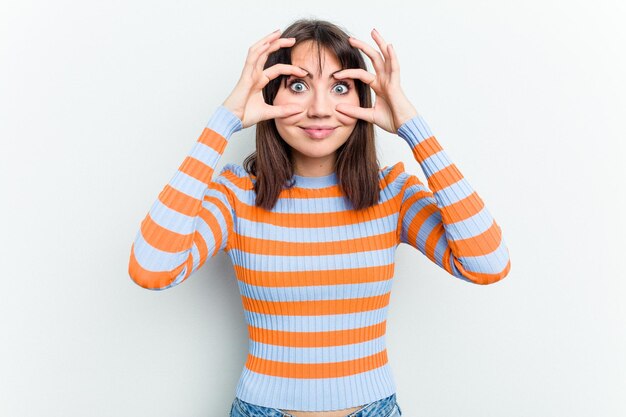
[{"x": 314, "y": 276}]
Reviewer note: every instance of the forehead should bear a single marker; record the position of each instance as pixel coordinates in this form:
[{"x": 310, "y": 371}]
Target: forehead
[{"x": 306, "y": 55}]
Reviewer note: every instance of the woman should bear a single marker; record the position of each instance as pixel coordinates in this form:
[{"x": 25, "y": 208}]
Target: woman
[{"x": 312, "y": 222}]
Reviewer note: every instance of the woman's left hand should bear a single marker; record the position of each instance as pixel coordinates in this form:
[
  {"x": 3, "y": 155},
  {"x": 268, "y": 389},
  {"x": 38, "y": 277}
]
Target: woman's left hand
[{"x": 392, "y": 108}]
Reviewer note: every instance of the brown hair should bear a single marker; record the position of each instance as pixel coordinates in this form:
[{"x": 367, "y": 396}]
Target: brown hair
[{"x": 356, "y": 163}]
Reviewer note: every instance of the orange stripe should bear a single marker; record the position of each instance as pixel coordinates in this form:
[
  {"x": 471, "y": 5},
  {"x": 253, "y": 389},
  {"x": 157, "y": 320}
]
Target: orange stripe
[
  {"x": 150, "y": 279},
  {"x": 203, "y": 249},
  {"x": 316, "y": 220},
  {"x": 170, "y": 241},
  {"x": 393, "y": 174},
  {"x": 338, "y": 247},
  {"x": 426, "y": 148},
  {"x": 245, "y": 183},
  {"x": 481, "y": 278},
  {"x": 161, "y": 238},
  {"x": 196, "y": 169},
  {"x": 481, "y": 244},
  {"x": 213, "y": 140},
  {"x": 314, "y": 277},
  {"x": 420, "y": 217},
  {"x": 210, "y": 219},
  {"x": 315, "y": 307},
  {"x": 179, "y": 201},
  {"x": 317, "y": 339},
  {"x": 442, "y": 178},
  {"x": 189, "y": 265},
  {"x": 316, "y": 370},
  {"x": 455, "y": 212},
  {"x": 446, "y": 260},
  {"x": 462, "y": 209},
  {"x": 445, "y": 177},
  {"x": 433, "y": 238}
]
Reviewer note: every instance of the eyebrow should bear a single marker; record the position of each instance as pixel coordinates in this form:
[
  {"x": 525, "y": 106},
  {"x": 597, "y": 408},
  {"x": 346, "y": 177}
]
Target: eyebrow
[{"x": 310, "y": 76}]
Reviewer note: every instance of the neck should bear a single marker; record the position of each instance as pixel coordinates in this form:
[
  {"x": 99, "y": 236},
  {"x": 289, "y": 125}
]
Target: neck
[{"x": 305, "y": 167}]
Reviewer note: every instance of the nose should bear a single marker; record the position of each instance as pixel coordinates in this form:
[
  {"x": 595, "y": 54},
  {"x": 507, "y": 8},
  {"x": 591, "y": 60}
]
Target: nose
[{"x": 321, "y": 105}]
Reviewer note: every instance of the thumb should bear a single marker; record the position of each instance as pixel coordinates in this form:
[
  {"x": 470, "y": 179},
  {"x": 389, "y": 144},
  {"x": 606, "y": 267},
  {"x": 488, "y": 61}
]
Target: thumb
[{"x": 278, "y": 112}]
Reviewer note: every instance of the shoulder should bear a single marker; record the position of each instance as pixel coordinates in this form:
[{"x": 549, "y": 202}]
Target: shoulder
[
  {"x": 394, "y": 178},
  {"x": 391, "y": 175},
  {"x": 235, "y": 176}
]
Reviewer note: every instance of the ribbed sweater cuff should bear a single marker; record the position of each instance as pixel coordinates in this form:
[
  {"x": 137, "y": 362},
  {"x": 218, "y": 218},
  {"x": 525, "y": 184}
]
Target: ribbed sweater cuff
[
  {"x": 224, "y": 122},
  {"x": 415, "y": 130}
]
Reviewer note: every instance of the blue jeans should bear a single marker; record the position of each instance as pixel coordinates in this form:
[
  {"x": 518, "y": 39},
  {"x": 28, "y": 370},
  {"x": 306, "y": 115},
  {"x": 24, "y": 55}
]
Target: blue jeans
[{"x": 385, "y": 407}]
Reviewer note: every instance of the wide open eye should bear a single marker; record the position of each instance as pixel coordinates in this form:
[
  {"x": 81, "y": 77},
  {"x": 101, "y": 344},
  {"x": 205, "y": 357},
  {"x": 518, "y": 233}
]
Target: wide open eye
[
  {"x": 345, "y": 85},
  {"x": 294, "y": 86},
  {"x": 296, "y": 81}
]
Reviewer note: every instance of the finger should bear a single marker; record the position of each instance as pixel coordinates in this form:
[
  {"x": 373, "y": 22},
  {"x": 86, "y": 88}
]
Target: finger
[
  {"x": 394, "y": 65},
  {"x": 383, "y": 48},
  {"x": 285, "y": 110},
  {"x": 287, "y": 69},
  {"x": 356, "y": 112},
  {"x": 273, "y": 46},
  {"x": 374, "y": 55},
  {"x": 266, "y": 38},
  {"x": 255, "y": 50},
  {"x": 381, "y": 43},
  {"x": 360, "y": 74}
]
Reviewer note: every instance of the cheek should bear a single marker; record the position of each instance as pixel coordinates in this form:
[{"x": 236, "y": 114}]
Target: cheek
[
  {"x": 282, "y": 98},
  {"x": 353, "y": 100}
]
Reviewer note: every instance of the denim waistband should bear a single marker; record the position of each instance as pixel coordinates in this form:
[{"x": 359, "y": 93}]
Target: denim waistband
[{"x": 378, "y": 408}]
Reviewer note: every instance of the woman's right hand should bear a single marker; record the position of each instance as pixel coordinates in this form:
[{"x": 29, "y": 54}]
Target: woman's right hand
[{"x": 246, "y": 100}]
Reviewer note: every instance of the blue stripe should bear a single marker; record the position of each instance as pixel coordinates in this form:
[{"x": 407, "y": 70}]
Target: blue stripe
[
  {"x": 188, "y": 185},
  {"x": 316, "y": 393},
  {"x": 294, "y": 234},
  {"x": 323, "y": 323},
  {"x": 299, "y": 263},
  {"x": 324, "y": 354},
  {"x": 205, "y": 154},
  {"x": 492, "y": 263},
  {"x": 317, "y": 292}
]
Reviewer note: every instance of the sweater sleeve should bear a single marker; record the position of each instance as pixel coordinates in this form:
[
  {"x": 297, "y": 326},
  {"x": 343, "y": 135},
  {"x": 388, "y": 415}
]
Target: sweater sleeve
[
  {"x": 450, "y": 224},
  {"x": 192, "y": 218}
]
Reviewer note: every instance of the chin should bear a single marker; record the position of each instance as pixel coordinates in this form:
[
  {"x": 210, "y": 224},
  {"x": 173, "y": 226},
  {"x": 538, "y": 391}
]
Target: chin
[{"x": 316, "y": 153}]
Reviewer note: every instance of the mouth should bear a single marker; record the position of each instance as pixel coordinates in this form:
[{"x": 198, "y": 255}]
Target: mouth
[{"x": 318, "y": 132}]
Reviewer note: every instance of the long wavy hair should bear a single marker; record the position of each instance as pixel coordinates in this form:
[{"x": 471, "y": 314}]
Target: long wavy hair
[{"x": 356, "y": 163}]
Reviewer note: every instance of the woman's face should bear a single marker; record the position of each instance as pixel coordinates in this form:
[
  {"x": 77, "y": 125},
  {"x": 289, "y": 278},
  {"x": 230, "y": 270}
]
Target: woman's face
[{"x": 314, "y": 151}]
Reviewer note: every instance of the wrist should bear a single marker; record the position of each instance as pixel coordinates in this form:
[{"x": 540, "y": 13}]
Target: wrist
[
  {"x": 405, "y": 115},
  {"x": 404, "y": 111},
  {"x": 233, "y": 109}
]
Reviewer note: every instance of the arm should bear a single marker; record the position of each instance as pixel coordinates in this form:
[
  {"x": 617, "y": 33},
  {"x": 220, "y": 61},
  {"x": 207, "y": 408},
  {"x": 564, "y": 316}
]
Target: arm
[
  {"x": 451, "y": 224},
  {"x": 192, "y": 218}
]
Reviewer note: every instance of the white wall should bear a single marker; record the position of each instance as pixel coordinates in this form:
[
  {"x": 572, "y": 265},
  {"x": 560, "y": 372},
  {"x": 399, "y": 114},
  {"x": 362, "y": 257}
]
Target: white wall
[{"x": 100, "y": 101}]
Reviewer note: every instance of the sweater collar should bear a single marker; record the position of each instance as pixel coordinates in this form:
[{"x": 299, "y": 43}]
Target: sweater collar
[{"x": 315, "y": 182}]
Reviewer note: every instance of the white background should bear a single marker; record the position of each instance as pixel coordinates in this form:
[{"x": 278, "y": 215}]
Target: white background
[{"x": 100, "y": 102}]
